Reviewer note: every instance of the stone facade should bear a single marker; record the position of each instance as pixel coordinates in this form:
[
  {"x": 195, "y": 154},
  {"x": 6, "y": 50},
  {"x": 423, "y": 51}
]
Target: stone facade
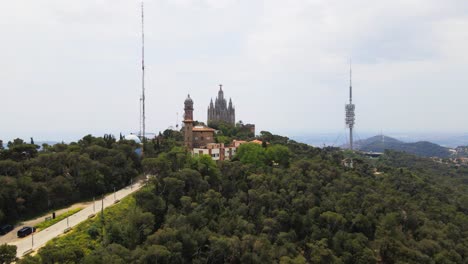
[
  {"x": 220, "y": 111},
  {"x": 195, "y": 136},
  {"x": 200, "y": 140},
  {"x": 202, "y": 136},
  {"x": 188, "y": 122}
]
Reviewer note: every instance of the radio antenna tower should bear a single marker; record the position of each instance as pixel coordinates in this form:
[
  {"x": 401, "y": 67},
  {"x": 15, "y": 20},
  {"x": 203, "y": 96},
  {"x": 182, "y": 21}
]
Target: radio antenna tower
[
  {"x": 142, "y": 99},
  {"x": 350, "y": 115}
]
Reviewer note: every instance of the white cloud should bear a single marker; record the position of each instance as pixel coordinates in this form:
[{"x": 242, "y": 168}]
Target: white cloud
[{"x": 75, "y": 64}]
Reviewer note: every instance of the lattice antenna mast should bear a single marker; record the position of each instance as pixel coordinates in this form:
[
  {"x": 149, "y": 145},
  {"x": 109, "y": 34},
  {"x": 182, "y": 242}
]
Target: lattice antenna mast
[
  {"x": 140, "y": 131},
  {"x": 350, "y": 115},
  {"x": 143, "y": 112}
]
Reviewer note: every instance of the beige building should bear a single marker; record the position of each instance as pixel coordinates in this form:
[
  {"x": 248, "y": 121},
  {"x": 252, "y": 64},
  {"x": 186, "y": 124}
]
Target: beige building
[
  {"x": 195, "y": 136},
  {"x": 217, "y": 151},
  {"x": 202, "y": 136}
]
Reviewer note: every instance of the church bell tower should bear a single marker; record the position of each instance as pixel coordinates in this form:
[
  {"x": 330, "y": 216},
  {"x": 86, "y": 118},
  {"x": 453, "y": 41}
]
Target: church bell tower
[{"x": 188, "y": 122}]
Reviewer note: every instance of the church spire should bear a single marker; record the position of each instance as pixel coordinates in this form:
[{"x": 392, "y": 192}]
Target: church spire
[
  {"x": 222, "y": 110},
  {"x": 188, "y": 109},
  {"x": 221, "y": 93}
]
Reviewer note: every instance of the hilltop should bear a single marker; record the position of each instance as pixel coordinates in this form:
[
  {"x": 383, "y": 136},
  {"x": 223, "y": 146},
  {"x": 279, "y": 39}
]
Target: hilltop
[
  {"x": 421, "y": 148},
  {"x": 285, "y": 202}
]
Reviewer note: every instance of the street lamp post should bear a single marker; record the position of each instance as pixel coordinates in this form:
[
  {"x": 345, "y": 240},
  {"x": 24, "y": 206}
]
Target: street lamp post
[{"x": 102, "y": 208}]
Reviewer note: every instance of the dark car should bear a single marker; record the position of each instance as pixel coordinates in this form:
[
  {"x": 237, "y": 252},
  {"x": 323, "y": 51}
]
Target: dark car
[
  {"x": 4, "y": 229},
  {"x": 25, "y": 231}
]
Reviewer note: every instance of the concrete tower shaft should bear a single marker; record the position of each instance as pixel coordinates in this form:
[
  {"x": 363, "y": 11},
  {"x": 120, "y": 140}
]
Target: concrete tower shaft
[{"x": 350, "y": 111}]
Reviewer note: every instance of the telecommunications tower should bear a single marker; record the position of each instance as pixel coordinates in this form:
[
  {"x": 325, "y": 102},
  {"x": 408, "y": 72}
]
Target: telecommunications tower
[
  {"x": 350, "y": 116},
  {"x": 142, "y": 98}
]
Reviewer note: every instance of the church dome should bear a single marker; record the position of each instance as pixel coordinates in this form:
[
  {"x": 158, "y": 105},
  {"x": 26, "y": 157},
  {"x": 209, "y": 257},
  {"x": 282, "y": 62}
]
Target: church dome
[
  {"x": 188, "y": 103},
  {"x": 133, "y": 137},
  {"x": 188, "y": 100}
]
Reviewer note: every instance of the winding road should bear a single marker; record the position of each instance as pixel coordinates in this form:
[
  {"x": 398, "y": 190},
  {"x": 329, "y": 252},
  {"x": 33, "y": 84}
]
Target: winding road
[{"x": 37, "y": 240}]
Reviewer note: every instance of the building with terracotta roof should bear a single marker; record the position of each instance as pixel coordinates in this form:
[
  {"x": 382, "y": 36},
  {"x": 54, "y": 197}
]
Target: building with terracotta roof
[
  {"x": 202, "y": 136},
  {"x": 200, "y": 140},
  {"x": 256, "y": 141},
  {"x": 217, "y": 151},
  {"x": 237, "y": 143},
  {"x": 195, "y": 136}
]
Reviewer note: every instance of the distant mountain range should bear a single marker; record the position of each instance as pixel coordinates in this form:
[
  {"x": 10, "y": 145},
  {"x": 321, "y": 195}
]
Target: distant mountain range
[
  {"x": 317, "y": 139},
  {"x": 420, "y": 148}
]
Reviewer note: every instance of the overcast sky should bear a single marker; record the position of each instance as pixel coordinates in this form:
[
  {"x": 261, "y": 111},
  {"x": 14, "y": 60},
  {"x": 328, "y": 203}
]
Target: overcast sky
[{"x": 69, "y": 68}]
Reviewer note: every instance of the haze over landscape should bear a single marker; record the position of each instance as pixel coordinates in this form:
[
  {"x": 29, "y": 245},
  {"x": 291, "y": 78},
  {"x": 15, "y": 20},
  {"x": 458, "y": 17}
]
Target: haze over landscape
[
  {"x": 242, "y": 131},
  {"x": 73, "y": 68}
]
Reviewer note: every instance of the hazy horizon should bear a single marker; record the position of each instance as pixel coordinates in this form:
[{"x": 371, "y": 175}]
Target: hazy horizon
[
  {"x": 318, "y": 139},
  {"x": 73, "y": 68}
]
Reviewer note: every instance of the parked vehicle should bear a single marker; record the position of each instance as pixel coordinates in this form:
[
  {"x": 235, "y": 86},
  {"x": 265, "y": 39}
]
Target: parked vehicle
[
  {"x": 4, "y": 229},
  {"x": 26, "y": 230}
]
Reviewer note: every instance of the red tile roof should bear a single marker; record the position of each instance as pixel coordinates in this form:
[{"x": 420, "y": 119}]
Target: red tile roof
[{"x": 203, "y": 129}]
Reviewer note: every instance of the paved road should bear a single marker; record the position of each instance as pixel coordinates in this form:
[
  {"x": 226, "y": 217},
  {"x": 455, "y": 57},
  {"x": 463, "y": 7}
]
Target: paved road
[
  {"x": 11, "y": 237},
  {"x": 37, "y": 240}
]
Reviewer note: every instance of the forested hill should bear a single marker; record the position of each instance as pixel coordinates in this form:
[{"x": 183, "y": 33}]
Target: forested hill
[
  {"x": 421, "y": 148},
  {"x": 286, "y": 203},
  {"x": 35, "y": 179}
]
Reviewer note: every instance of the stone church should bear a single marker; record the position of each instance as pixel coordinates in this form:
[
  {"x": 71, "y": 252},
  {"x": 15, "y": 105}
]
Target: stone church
[
  {"x": 200, "y": 139},
  {"x": 220, "y": 111},
  {"x": 195, "y": 136}
]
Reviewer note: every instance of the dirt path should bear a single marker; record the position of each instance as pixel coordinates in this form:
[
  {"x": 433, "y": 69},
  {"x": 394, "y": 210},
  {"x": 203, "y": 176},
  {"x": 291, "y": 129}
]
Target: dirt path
[{"x": 11, "y": 236}]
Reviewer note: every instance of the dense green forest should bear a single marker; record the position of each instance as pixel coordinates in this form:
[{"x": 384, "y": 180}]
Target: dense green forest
[
  {"x": 227, "y": 132},
  {"x": 36, "y": 179},
  {"x": 284, "y": 202}
]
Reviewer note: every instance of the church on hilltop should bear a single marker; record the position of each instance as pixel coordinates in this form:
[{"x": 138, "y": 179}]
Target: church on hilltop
[
  {"x": 195, "y": 136},
  {"x": 200, "y": 139},
  {"x": 220, "y": 111}
]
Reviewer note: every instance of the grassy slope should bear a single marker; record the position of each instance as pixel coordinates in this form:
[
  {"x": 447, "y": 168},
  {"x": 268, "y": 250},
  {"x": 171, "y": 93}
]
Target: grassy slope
[
  {"x": 59, "y": 218},
  {"x": 81, "y": 235}
]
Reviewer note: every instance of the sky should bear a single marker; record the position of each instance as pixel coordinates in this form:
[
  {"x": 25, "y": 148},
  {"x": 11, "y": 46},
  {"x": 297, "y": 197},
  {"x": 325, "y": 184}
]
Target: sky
[{"x": 71, "y": 68}]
